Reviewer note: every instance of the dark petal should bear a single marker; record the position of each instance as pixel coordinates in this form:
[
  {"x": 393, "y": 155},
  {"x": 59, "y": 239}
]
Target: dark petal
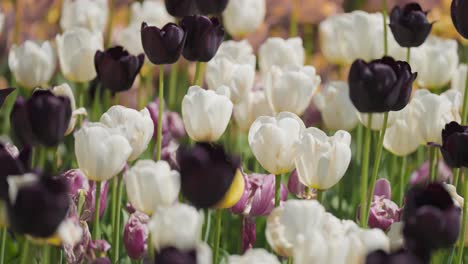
[
  {"x": 172, "y": 255},
  {"x": 357, "y": 90},
  {"x": 9, "y": 165},
  {"x": 409, "y": 25},
  {"x": 404, "y": 85},
  {"x": 163, "y": 46},
  {"x": 208, "y": 7},
  {"x": 452, "y": 128},
  {"x": 400, "y": 257},
  {"x": 395, "y": 15},
  {"x": 181, "y": 8},
  {"x": 4, "y": 94},
  {"x": 204, "y": 36},
  {"x": 25, "y": 158},
  {"x": 21, "y": 124},
  {"x": 459, "y": 9},
  {"x": 117, "y": 52},
  {"x": 411, "y": 7}
]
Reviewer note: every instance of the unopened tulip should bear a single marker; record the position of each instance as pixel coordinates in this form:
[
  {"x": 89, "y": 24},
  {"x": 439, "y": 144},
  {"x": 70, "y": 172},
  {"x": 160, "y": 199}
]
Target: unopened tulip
[
  {"x": 239, "y": 52},
  {"x": 163, "y": 45},
  {"x": 206, "y": 113},
  {"x": 116, "y": 69},
  {"x": 242, "y": 17},
  {"x": 4, "y": 94},
  {"x": 209, "y": 176},
  {"x": 90, "y": 14},
  {"x": 409, "y": 25},
  {"x": 42, "y": 119},
  {"x": 101, "y": 153},
  {"x": 333, "y": 96},
  {"x": 254, "y": 106},
  {"x": 136, "y": 126},
  {"x": 32, "y": 64},
  {"x": 458, "y": 12},
  {"x": 152, "y": 184},
  {"x": 76, "y": 48},
  {"x": 239, "y": 78},
  {"x": 153, "y": 13},
  {"x": 204, "y": 36},
  {"x": 135, "y": 235},
  {"x": 383, "y": 213},
  {"x": 281, "y": 52},
  {"x": 291, "y": 88},
  {"x": 181, "y": 8},
  {"x": 272, "y": 141},
  {"x": 66, "y": 91},
  {"x": 454, "y": 144},
  {"x": 322, "y": 161},
  {"x": 381, "y": 85},
  {"x": 258, "y": 256}
]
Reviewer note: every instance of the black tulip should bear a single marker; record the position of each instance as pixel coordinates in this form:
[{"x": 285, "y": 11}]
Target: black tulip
[
  {"x": 431, "y": 220},
  {"x": 163, "y": 46},
  {"x": 117, "y": 69},
  {"x": 207, "y": 172},
  {"x": 207, "y": 7},
  {"x": 459, "y": 11},
  {"x": 181, "y": 8},
  {"x": 42, "y": 119},
  {"x": 455, "y": 145},
  {"x": 39, "y": 207},
  {"x": 4, "y": 94},
  {"x": 409, "y": 25},
  {"x": 400, "y": 257},
  {"x": 204, "y": 36},
  {"x": 12, "y": 164},
  {"x": 172, "y": 255},
  {"x": 381, "y": 85}
]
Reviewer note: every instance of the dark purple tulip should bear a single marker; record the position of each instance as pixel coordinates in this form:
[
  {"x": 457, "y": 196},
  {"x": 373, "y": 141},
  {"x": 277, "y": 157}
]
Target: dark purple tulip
[
  {"x": 204, "y": 36},
  {"x": 455, "y": 145},
  {"x": 181, "y": 8},
  {"x": 117, "y": 69},
  {"x": 295, "y": 186},
  {"x": 39, "y": 207},
  {"x": 431, "y": 220},
  {"x": 399, "y": 257},
  {"x": 163, "y": 46},
  {"x": 4, "y": 94},
  {"x": 459, "y": 9},
  {"x": 42, "y": 119},
  {"x": 381, "y": 85},
  {"x": 12, "y": 163},
  {"x": 135, "y": 235},
  {"x": 409, "y": 25},
  {"x": 207, "y": 7},
  {"x": 172, "y": 255},
  {"x": 206, "y": 172},
  {"x": 249, "y": 233}
]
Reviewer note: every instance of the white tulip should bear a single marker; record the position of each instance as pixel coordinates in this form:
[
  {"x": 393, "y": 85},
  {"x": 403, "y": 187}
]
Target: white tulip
[
  {"x": 32, "y": 64},
  {"x": 239, "y": 78},
  {"x": 178, "y": 226},
  {"x": 136, "y": 126},
  {"x": 281, "y": 52},
  {"x": 101, "y": 153},
  {"x": 272, "y": 141},
  {"x": 435, "y": 61},
  {"x": 291, "y": 89},
  {"x": 206, "y": 113},
  {"x": 65, "y": 90},
  {"x": 459, "y": 79},
  {"x": 240, "y": 52},
  {"x": 90, "y": 14},
  {"x": 337, "y": 110},
  {"x": 452, "y": 190},
  {"x": 377, "y": 119},
  {"x": 395, "y": 236},
  {"x": 242, "y": 17},
  {"x": 345, "y": 37},
  {"x": 402, "y": 137},
  {"x": 152, "y": 12},
  {"x": 69, "y": 232},
  {"x": 76, "y": 48},
  {"x": 257, "y": 256},
  {"x": 130, "y": 39},
  {"x": 251, "y": 108},
  {"x": 152, "y": 184},
  {"x": 322, "y": 161}
]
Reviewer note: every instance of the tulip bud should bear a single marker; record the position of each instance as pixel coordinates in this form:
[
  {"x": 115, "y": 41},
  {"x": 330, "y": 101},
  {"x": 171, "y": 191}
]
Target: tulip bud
[
  {"x": 76, "y": 49},
  {"x": 242, "y": 17},
  {"x": 383, "y": 213},
  {"x": 76, "y": 181},
  {"x": 209, "y": 176},
  {"x": 381, "y": 85},
  {"x": 90, "y": 14},
  {"x": 204, "y": 35},
  {"x": 409, "y": 25},
  {"x": 400, "y": 257},
  {"x": 32, "y": 64},
  {"x": 181, "y": 8},
  {"x": 116, "y": 69},
  {"x": 4, "y": 94},
  {"x": 206, "y": 113},
  {"x": 459, "y": 8},
  {"x": 163, "y": 46},
  {"x": 421, "y": 175},
  {"x": 295, "y": 186},
  {"x": 281, "y": 52},
  {"x": 135, "y": 235},
  {"x": 454, "y": 144},
  {"x": 42, "y": 119}
]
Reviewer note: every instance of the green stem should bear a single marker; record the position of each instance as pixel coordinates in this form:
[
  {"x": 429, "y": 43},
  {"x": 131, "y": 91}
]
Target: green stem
[
  {"x": 2, "y": 245},
  {"x": 408, "y": 54},
  {"x": 365, "y": 170},
  {"x": 97, "y": 203},
  {"x": 46, "y": 254},
  {"x": 432, "y": 163},
  {"x": 208, "y": 226},
  {"x": 375, "y": 169},
  {"x": 114, "y": 200},
  {"x": 160, "y": 113},
  {"x": 219, "y": 218},
  {"x": 116, "y": 230},
  {"x": 7, "y": 108},
  {"x": 402, "y": 178},
  {"x": 385, "y": 33},
  {"x": 319, "y": 196},
  {"x": 465, "y": 103},
  {"x": 359, "y": 143},
  {"x": 24, "y": 258},
  {"x": 461, "y": 244},
  {"x": 172, "y": 85},
  {"x": 277, "y": 190},
  {"x": 456, "y": 178},
  {"x": 110, "y": 21},
  {"x": 293, "y": 25},
  {"x": 198, "y": 73},
  {"x": 150, "y": 247},
  {"x": 81, "y": 201}
]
